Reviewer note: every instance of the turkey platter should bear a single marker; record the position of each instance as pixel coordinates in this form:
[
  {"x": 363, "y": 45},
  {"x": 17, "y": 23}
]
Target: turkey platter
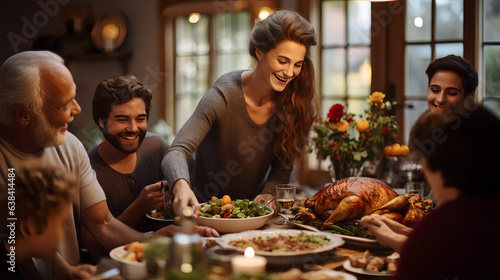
[{"x": 354, "y": 197}]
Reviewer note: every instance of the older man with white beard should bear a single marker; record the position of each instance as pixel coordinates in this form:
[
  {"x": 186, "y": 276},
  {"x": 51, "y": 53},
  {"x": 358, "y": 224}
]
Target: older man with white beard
[{"x": 38, "y": 101}]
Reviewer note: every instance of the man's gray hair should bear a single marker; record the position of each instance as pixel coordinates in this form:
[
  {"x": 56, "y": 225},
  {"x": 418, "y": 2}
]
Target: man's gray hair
[{"x": 20, "y": 82}]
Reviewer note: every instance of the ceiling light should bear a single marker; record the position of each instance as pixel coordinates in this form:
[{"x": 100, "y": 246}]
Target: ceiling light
[{"x": 194, "y": 17}]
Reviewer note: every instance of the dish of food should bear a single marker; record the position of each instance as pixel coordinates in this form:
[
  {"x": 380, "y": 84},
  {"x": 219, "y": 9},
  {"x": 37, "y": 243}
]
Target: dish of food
[
  {"x": 158, "y": 215},
  {"x": 230, "y": 216},
  {"x": 222, "y": 225},
  {"x": 347, "y": 265},
  {"x": 323, "y": 274},
  {"x": 226, "y": 208},
  {"x": 127, "y": 256},
  {"x": 347, "y": 237},
  {"x": 278, "y": 257}
]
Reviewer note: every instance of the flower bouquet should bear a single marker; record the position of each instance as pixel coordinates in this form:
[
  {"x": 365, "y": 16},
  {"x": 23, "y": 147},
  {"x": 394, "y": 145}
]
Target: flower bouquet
[{"x": 349, "y": 143}]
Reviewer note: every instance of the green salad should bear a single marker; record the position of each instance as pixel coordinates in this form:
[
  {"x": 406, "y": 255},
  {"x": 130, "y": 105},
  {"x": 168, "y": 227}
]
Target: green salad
[{"x": 239, "y": 208}]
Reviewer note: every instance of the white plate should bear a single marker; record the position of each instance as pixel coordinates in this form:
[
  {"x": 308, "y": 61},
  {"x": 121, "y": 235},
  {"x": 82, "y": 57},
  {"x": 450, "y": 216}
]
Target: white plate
[
  {"x": 165, "y": 219},
  {"x": 347, "y": 237},
  {"x": 232, "y": 225},
  {"x": 282, "y": 258},
  {"x": 322, "y": 274},
  {"x": 349, "y": 267}
]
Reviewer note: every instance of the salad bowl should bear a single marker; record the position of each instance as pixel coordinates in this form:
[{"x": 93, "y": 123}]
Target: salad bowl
[{"x": 233, "y": 225}]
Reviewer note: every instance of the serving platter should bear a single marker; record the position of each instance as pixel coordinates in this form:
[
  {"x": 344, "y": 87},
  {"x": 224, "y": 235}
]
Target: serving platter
[
  {"x": 233, "y": 225},
  {"x": 350, "y": 240},
  {"x": 328, "y": 274},
  {"x": 347, "y": 265},
  {"x": 282, "y": 258}
]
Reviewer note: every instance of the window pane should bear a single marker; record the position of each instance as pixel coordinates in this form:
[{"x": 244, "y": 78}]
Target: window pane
[
  {"x": 418, "y": 20},
  {"x": 446, "y": 49},
  {"x": 357, "y": 107},
  {"x": 191, "y": 38},
  {"x": 231, "y": 62},
  {"x": 333, "y": 72},
  {"x": 359, "y": 22},
  {"x": 183, "y": 110},
  {"x": 491, "y": 23},
  {"x": 493, "y": 105},
  {"x": 417, "y": 60},
  {"x": 449, "y": 20},
  {"x": 232, "y": 32},
  {"x": 413, "y": 109},
  {"x": 492, "y": 70},
  {"x": 334, "y": 23},
  {"x": 360, "y": 72},
  {"x": 191, "y": 75}
]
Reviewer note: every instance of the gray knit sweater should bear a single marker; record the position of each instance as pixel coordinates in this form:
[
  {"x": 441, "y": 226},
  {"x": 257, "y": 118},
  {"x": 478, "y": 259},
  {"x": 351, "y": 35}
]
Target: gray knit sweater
[{"x": 220, "y": 150}]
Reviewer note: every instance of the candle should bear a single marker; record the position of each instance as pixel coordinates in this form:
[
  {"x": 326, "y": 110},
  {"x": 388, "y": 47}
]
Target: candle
[{"x": 249, "y": 263}]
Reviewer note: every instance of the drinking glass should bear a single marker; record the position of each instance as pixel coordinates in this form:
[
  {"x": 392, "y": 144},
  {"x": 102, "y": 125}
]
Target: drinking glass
[
  {"x": 415, "y": 187},
  {"x": 285, "y": 198}
]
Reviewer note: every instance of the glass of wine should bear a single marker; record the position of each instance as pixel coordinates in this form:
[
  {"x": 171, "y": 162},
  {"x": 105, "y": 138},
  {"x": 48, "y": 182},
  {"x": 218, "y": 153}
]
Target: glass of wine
[{"x": 285, "y": 198}]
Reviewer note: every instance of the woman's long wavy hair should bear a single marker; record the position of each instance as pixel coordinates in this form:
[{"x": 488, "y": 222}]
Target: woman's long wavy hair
[{"x": 295, "y": 106}]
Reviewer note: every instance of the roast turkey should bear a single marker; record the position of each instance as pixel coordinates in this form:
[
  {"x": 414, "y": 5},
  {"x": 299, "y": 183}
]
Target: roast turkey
[{"x": 350, "y": 198}]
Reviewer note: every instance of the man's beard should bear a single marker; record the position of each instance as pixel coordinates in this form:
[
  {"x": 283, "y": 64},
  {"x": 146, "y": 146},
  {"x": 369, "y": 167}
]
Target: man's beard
[
  {"x": 114, "y": 139},
  {"x": 47, "y": 135}
]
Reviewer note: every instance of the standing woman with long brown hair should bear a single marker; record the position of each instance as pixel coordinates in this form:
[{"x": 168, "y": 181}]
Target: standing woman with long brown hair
[{"x": 251, "y": 125}]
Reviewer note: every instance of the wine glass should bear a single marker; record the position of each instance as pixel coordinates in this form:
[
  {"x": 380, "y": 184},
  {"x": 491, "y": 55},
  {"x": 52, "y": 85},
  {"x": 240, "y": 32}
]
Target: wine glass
[{"x": 285, "y": 198}]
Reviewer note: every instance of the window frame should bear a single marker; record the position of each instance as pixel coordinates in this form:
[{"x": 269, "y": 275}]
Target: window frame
[{"x": 170, "y": 9}]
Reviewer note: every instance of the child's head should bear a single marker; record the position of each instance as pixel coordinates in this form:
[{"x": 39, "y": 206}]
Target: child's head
[
  {"x": 463, "y": 149},
  {"x": 43, "y": 197}
]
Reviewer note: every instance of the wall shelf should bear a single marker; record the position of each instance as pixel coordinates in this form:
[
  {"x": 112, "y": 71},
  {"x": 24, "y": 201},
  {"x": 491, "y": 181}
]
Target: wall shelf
[{"x": 122, "y": 57}]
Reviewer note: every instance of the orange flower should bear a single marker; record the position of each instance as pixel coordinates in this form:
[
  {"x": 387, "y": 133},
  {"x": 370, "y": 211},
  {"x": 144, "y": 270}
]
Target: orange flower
[
  {"x": 342, "y": 126},
  {"x": 363, "y": 126},
  {"x": 376, "y": 97}
]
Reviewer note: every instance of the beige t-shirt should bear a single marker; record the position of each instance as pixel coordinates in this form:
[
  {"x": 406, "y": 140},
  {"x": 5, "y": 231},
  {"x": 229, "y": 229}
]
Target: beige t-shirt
[{"x": 72, "y": 157}]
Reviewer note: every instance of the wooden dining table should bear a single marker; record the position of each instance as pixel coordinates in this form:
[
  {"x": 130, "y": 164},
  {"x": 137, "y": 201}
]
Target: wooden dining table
[{"x": 339, "y": 256}]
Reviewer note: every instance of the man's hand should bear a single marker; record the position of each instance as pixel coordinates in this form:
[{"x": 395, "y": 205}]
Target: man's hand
[
  {"x": 207, "y": 232},
  {"x": 150, "y": 197},
  {"x": 170, "y": 230},
  {"x": 183, "y": 197},
  {"x": 63, "y": 270},
  {"x": 82, "y": 271}
]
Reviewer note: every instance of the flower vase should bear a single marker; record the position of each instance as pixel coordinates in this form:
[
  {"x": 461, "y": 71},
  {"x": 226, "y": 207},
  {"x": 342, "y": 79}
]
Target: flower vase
[{"x": 337, "y": 173}]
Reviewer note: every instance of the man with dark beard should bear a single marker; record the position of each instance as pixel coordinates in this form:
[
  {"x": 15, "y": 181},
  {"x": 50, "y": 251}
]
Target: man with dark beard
[{"x": 128, "y": 162}]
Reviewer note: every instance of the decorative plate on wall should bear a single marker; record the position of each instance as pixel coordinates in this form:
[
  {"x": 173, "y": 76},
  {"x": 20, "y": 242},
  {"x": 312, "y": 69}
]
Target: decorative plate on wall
[{"x": 109, "y": 31}]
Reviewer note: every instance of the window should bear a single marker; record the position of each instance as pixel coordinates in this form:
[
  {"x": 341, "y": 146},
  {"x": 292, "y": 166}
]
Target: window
[
  {"x": 491, "y": 54},
  {"x": 206, "y": 47},
  {"x": 345, "y": 68},
  {"x": 434, "y": 28},
  {"x": 345, "y": 55}
]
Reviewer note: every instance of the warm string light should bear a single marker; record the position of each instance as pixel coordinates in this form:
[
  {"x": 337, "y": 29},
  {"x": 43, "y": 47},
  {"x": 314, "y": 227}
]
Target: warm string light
[
  {"x": 194, "y": 17},
  {"x": 264, "y": 12}
]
